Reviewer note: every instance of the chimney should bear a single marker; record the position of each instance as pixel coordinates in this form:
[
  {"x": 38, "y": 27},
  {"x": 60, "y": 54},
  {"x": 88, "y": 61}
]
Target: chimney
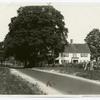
[{"x": 71, "y": 41}]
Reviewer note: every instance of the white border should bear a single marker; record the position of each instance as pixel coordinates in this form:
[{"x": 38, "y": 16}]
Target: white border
[{"x": 7, "y": 97}]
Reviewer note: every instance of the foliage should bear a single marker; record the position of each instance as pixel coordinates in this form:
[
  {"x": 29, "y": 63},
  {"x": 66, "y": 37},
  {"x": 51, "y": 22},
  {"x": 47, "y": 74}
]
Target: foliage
[
  {"x": 75, "y": 69},
  {"x": 1, "y": 52},
  {"x": 36, "y": 33},
  {"x": 93, "y": 41}
]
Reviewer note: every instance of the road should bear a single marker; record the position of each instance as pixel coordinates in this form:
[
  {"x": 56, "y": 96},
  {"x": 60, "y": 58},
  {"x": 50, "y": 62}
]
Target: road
[{"x": 64, "y": 84}]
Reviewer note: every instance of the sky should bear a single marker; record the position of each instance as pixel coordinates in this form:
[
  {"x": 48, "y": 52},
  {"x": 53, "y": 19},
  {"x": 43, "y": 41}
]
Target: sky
[{"x": 80, "y": 18}]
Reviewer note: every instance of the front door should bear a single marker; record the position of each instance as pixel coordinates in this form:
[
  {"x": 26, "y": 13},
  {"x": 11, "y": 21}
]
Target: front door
[{"x": 75, "y": 61}]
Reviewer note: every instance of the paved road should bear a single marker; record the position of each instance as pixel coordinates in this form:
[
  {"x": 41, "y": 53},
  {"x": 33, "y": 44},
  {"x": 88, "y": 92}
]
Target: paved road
[{"x": 64, "y": 84}]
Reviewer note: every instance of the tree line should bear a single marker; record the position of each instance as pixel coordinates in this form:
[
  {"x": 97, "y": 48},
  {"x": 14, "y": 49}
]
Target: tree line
[{"x": 38, "y": 33}]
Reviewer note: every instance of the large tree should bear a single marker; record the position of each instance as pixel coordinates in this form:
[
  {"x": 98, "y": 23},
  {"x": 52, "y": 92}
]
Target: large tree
[
  {"x": 36, "y": 34},
  {"x": 93, "y": 41}
]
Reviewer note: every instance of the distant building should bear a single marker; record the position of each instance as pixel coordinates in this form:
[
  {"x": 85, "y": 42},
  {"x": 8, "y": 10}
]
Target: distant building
[{"x": 74, "y": 53}]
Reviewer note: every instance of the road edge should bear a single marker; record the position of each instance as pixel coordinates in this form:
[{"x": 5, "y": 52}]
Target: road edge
[
  {"x": 68, "y": 75},
  {"x": 46, "y": 89}
]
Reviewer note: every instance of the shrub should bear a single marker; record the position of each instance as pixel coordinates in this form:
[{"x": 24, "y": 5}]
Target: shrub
[{"x": 78, "y": 65}]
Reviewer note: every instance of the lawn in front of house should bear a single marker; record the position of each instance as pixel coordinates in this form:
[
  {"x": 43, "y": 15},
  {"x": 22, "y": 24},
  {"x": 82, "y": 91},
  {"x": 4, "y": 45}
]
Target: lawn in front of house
[
  {"x": 10, "y": 84},
  {"x": 74, "y": 69}
]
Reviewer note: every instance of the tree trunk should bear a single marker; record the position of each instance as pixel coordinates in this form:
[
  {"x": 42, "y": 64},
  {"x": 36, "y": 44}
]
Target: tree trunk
[
  {"x": 96, "y": 59},
  {"x": 25, "y": 63}
]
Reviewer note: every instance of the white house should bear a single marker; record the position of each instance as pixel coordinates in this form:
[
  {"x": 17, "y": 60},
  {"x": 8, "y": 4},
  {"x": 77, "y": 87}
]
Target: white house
[{"x": 75, "y": 53}]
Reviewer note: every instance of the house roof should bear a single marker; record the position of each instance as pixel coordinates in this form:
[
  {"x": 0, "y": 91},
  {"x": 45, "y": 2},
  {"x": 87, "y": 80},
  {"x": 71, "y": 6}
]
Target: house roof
[{"x": 77, "y": 48}]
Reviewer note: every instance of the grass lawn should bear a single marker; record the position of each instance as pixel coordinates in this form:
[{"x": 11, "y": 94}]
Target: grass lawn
[
  {"x": 10, "y": 84},
  {"x": 76, "y": 70}
]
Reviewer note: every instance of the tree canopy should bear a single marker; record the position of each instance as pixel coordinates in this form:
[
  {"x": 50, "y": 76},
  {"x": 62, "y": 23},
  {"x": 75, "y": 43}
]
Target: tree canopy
[
  {"x": 36, "y": 33},
  {"x": 93, "y": 41}
]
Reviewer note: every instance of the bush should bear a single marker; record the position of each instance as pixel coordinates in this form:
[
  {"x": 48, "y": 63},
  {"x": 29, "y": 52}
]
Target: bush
[{"x": 80, "y": 65}]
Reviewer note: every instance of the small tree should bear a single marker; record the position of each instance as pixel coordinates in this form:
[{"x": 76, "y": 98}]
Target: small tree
[
  {"x": 34, "y": 33},
  {"x": 93, "y": 41}
]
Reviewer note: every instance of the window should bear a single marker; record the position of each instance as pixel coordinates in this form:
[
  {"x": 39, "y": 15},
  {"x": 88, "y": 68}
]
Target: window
[
  {"x": 74, "y": 54},
  {"x": 84, "y": 54},
  {"x": 64, "y": 61},
  {"x": 64, "y": 54}
]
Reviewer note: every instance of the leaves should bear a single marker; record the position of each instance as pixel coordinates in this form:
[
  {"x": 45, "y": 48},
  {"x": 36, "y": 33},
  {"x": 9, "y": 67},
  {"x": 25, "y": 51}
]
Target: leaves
[
  {"x": 35, "y": 31},
  {"x": 93, "y": 40}
]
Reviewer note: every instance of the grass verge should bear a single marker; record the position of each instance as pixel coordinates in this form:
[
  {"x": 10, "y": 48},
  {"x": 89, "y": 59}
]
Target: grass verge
[
  {"x": 10, "y": 84},
  {"x": 76, "y": 70}
]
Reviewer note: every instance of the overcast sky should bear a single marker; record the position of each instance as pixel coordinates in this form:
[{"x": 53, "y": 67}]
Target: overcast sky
[{"x": 80, "y": 19}]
